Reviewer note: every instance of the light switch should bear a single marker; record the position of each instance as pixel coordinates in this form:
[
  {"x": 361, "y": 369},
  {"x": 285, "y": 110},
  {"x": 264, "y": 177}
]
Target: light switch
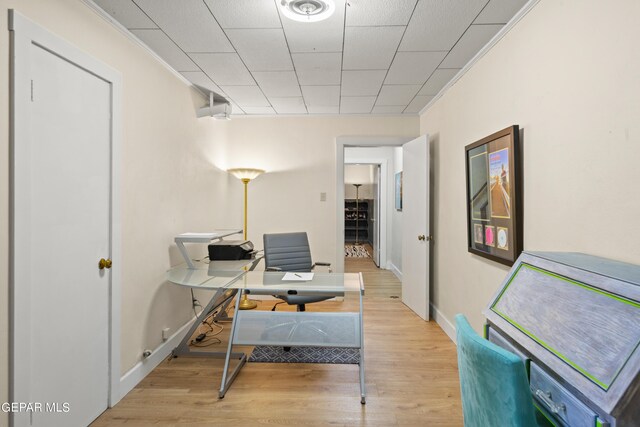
[{"x": 323, "y": 197}]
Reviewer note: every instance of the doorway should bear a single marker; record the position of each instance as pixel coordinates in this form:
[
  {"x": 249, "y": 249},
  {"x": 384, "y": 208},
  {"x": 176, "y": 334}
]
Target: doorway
[
  {"x": 361, "y": 211},
  {"x": 399, "y": 251},
  {"x": 65, "y": 219}
]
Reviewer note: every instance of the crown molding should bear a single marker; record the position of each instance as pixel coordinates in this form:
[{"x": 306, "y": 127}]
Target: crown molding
[
  {"x": 503, "y": 32},
  {"x": 128, "y": 34}
]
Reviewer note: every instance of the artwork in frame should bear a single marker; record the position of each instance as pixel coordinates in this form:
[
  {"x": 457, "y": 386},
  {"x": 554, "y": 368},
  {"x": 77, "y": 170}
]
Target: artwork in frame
[
  {"x": 494, "y": 204},
  {"x": 399, "y": 191}
]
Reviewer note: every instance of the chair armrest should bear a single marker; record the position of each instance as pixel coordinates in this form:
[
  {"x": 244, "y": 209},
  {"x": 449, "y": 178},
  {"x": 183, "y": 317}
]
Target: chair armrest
[
  {"x": 322, "y": 264},
  {"x": 273, "y": 269}
]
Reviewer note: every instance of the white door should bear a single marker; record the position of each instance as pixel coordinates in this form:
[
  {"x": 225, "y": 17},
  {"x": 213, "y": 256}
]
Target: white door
[
  {"x": 62, "y": 229},
  {"x": 375, "y": 217},
  {"x": 415, "y": 226}
]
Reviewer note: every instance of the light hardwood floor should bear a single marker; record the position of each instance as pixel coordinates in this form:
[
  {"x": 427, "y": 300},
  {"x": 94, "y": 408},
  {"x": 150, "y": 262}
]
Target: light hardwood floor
[{"x": 411, "y": 378}]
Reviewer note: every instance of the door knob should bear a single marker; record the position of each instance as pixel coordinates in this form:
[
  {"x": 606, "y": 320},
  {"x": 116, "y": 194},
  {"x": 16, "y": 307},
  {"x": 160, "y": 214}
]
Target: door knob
[
  {"x": 104, "y": 263},
  {"x": 422, "y": 237}
]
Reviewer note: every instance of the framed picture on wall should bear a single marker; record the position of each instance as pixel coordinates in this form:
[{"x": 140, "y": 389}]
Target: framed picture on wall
[
  {"x": 399, "y": 191},
  {"x": 494, "y": 204}
]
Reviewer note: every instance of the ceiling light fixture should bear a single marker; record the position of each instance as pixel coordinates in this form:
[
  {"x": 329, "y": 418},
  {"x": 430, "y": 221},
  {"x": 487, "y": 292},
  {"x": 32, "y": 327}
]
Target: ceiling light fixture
[{"x": 307, "y": 10}]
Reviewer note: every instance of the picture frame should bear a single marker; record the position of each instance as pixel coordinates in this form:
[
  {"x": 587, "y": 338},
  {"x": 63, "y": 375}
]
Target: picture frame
[
  {"x": 398, "y": 193},
  {"x": 494, "y": 196}
]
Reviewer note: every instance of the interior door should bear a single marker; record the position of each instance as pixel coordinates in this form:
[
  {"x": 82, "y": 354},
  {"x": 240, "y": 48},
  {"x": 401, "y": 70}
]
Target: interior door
[
  {"x": 63, "y": 183},
  {"x": 375, "y": 217},
  {"x": 415, "y": 226}
]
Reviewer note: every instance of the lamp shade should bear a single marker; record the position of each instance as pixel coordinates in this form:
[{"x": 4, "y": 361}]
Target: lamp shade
[{"x": 245, "y": 173}]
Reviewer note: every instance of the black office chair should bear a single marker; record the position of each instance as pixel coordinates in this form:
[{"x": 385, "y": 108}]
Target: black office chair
[{"x": 290, "y": 252}]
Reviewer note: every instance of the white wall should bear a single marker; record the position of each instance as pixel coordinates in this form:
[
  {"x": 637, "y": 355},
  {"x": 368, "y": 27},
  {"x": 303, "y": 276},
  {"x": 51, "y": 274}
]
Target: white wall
[
  {"x": 568, "y": 74},
  {"x": 395, "y": 259},
  {"x": 299, "y": 154},
  {"x": 359, "y": 174},
  {"x": 169, "y": 182}
]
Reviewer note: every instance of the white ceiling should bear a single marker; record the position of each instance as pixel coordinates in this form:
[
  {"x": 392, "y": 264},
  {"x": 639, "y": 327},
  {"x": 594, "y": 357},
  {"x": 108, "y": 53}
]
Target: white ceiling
[{"x": 370, "y": 57}]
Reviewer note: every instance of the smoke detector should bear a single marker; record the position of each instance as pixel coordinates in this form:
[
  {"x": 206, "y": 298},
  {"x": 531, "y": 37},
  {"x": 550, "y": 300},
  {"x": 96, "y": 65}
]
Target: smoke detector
[{"x": 307, "y": 10}]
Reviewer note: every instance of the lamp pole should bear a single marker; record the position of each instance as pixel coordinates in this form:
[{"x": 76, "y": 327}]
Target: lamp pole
[
  {"x": 246, "y": 175},
  {"x": 245, "y": 181},
  {"x": 357, "y": 211}
]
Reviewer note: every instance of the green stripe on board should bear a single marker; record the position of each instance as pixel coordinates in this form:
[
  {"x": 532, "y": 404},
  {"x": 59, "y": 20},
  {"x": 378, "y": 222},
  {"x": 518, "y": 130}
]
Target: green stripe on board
[{"x": 553, "y": 350}]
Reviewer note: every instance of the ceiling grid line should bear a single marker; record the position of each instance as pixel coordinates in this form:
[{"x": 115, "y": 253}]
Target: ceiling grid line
[
  {"x": 378, "y": 57},
  {"x": 241, "y": 60},
  {"x": 394, "y": 56},
  {"x": 449, "y": 52}
]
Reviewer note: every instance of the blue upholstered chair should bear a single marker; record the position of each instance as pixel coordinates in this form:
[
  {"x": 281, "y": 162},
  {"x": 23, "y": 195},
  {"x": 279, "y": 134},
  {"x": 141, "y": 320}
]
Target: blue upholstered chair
[{"x": 493, "y": 381}]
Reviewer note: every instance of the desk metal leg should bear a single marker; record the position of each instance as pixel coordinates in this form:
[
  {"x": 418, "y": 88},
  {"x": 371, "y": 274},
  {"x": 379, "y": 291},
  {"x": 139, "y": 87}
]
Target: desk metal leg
[
  {"x": 363, "y": 393},
  {"x": 224, "y": 384}
]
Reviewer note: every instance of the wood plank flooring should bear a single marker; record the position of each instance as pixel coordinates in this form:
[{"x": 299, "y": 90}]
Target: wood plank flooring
[{"x": 411, "y": 378}]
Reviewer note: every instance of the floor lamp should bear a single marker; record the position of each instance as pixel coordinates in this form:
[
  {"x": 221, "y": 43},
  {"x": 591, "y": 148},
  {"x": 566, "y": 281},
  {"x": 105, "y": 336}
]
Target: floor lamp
[
  {"x": 245, "y": 175},
  {"x": 357, "y": 210}
]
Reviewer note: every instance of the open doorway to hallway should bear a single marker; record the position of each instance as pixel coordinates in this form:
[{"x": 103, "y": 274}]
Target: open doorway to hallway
[{"x": 361, "y": 211}]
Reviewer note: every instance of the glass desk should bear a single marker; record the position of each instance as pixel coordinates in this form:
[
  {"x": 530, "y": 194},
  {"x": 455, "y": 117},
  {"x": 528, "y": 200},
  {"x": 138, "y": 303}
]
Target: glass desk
[{"x": 279, "y": 328}]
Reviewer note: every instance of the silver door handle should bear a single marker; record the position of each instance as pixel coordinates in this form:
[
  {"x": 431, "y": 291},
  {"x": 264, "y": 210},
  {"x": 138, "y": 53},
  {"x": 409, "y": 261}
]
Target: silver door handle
[
  {"x": 422, "y": 237},
  {"x": 554, "y": 407}
]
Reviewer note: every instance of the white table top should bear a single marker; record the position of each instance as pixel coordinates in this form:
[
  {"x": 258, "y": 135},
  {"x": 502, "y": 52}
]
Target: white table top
[{"x": 231, "y": 274}]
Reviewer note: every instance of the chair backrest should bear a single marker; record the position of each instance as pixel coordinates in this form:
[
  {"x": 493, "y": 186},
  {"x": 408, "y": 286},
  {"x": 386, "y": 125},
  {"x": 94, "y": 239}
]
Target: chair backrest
[
  {"x": 493, "y": 381},
  {"x": 287, "y": 251}
]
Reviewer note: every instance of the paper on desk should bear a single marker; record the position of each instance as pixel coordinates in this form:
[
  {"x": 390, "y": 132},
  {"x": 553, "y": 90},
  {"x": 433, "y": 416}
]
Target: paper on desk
[{"x": 298, "y": 277}]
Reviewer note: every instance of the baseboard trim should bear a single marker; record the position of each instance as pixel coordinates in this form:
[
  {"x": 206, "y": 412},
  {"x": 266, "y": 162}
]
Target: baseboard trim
[
  {"x": 144, "y": 367},
  {"x": 395, "y": 270},
  {"x": 444, "y": 323}
]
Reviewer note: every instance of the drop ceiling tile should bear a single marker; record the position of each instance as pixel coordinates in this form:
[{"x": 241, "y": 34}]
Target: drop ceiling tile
[
  {"x": 262, "y": 49},
  {"x": 200, "y": 79},
  {"x": 356, "y": 104},
  {"x": 127, "y": 13},
  {"x": 235, "y": 108},
  {"x": 362, "y": 82},
  {"x": 438, "y": 24},
  {"x": 370, "y": 48},
  {"x": 388, "y": 109},
  {"x": 499, "y": 11},
  {"x": 323, "y": 36},
  {"x": 397, "y": 94},
  {"x": 246, "y": 96},
  {"x": 288, "y": 105},
  {"x": 166, "y": 49},
  {"x": 245, "y": 13},
  {"x": 189, "y": 23},
  {"x": 278, "y": 83},
  {"x": 379, "y": 12},
  {"x": 471, "y": 42},
  {"x": 318, "y": 68},
  {"x": 259, "y": 110},
  {"x": 438, "y": 80},
  {"x": 324, "y": 110},
  {"x": 413, "y": 67},
  {"x": 321, "y": 96},
  {"x": 418, "y": 104},
  {"x": 224, "y": 68}
]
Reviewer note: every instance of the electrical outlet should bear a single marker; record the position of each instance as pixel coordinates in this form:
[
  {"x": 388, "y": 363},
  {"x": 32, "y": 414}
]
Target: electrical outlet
[{"x": 165, "y": 334}]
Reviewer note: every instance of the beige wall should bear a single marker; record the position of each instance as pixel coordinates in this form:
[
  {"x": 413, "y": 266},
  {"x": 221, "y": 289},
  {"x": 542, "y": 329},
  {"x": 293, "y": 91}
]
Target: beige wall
[
  {"x": 299, "y": 154},
  {"x": 169, "y": 183},
  {"x": 568, "y": 74}
]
